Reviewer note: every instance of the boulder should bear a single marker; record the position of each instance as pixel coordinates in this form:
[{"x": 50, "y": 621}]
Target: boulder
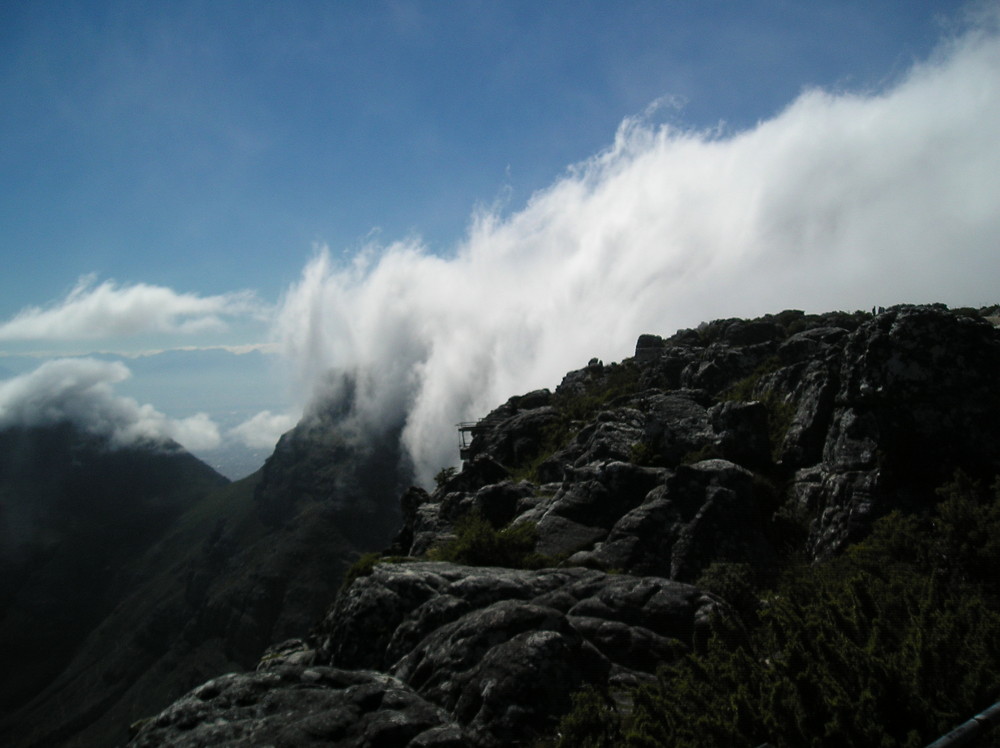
[
  {"x": 301, "y": 706},
  {"x": 501, "y": 649}
]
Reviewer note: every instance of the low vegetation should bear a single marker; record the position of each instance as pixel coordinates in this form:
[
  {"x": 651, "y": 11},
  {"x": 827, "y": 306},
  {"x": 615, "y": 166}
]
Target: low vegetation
[
  {"x": 475, "y": 543},
  {"x": 478, "y": 543},
  {"x": 363, "y": 567},
  {"x": 611, "y": 382},
  {"x": 444, "y": 475},
  {"x": 891, "y": 644}
]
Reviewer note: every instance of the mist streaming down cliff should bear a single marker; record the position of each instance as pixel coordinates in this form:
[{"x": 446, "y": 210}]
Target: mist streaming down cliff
[{"x": 842, "y": 199}]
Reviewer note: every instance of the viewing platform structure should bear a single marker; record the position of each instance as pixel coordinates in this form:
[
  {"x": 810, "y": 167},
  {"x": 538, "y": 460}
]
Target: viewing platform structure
[{"x": 467, "y": 431}]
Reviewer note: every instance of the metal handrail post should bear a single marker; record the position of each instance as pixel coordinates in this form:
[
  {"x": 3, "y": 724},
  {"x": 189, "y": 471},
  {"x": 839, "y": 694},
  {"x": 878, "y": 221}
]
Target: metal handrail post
[{"x": 969, "y": 731}]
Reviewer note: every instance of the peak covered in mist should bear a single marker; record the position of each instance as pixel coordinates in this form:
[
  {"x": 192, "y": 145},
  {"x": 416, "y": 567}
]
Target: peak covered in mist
[
  {"x": 81, "y": 391},
  {"x": 227, "y": 408},
  {"x": 130, "y": 572}
]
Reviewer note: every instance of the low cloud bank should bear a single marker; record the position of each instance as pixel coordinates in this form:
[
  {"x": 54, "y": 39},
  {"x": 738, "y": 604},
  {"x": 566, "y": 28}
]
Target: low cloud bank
[
  {"x": 108, "y": 310},
  {"x": 843, "y": 200},
  {"x": 81, "y": 390},
  {"x": 263, "y": 430}
]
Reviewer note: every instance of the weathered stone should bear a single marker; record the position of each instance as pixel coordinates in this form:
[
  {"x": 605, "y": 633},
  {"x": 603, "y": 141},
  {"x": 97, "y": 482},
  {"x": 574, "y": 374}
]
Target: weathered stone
[
  {"x": 703, "y": 513},
  {"x": 810, "y": 344},
  {"x": 534, "y": 399},
  {"x": 514, "y": 438},
  {"x": 586, "y": 508},
  {"x": 810, "y": 389},
  {"x": 742, "y": 332},
  {"x": 500, "y": 502},
  {"x": 742, "y": 430},
  {"x": 504, "y": 668},
  {"x": 295, "y": 705},
  {"x": 481, "y": 470},
  {"x": 677, "y": 425},
  {"x": 648, "y": 347},
  {"x": 501, "y": 649}
]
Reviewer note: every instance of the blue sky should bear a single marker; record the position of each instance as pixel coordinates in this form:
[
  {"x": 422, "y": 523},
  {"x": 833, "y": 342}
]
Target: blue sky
[
  {"x": 192, "y": 174},
  {"x": 205, "y": 146}
]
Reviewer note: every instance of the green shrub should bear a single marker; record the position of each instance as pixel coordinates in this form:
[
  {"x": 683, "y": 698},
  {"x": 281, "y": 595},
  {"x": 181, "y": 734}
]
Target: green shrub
[
  {"x": 736, "y": 583},
  {"x": 478, "y": 543},
  {"x": 444, "y": 475},
  {"x": 780, "y": 412},
  {"x": 744, "y": 389},
  {"x": 553, "y": 437},
  {"x": 891, "y": 644},
  {"x": 593, "y": 722},
  {"x": 363, "y": 567},
  {"x": 614, "y": 381},
  {"x": 707, "y": 451},
  {"x": 648, "y": 454},
  {"x": 573, "y": 411}
]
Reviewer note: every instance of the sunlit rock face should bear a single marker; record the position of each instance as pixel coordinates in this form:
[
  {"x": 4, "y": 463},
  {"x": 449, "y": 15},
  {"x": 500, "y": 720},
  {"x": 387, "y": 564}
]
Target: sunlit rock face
[
  {"x": 439, "y": 654},
  {"x": 303, "y": 705}
]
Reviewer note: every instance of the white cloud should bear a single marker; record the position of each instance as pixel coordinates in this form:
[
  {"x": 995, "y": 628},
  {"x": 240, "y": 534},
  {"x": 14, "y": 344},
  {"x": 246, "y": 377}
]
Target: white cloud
[
  {"x": 263, "y": 430},
  {"x": 194, "y": 433},
  {"x": 107, "y": 310},
  {"x": 81, "y": 390},
  {"x": 842, "y": 201}
]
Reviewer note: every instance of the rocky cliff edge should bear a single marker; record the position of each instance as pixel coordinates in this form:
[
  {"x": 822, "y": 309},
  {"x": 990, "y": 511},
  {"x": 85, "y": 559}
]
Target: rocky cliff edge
[{"x": 742, "y": 442}]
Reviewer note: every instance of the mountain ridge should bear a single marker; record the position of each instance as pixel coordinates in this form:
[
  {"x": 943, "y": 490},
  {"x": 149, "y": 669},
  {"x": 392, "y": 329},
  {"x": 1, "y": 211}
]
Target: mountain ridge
[
  {"x": 736, "y": 446},
  {"x": 571, "y": 551},
  {"x": 214, "y": 584}
]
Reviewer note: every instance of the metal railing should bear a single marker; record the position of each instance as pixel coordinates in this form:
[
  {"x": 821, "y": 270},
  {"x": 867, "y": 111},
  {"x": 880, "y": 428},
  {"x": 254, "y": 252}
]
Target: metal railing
[
  {"x": 466, "y": 432},
  {"x": 971, "y": 730},
  {"x": 965, "y": 734}
]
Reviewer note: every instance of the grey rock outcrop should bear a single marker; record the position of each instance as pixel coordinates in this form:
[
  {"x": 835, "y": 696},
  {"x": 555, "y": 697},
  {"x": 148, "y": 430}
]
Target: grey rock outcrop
[
  {"x": 835, "y": 420},
  {"x": 446, "y": 655},
  {"x": 302, "y": 706},
  {"x": 742, "y": 442}
]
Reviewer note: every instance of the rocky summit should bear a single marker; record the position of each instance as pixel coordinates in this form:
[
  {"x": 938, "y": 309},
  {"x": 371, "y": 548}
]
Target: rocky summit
[{"x": 573, "y": 548}]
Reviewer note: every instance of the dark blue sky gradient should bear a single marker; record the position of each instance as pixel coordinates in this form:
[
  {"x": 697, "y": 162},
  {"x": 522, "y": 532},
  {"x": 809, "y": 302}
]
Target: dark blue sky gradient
[{"x": 206, "y": 146}]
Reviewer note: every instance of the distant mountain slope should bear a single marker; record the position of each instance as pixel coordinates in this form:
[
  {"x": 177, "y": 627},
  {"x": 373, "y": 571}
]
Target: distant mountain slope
[
  {"x": 230, "y": 388},
  {"x": 148, "y": 574},
  {"x": 75, "y": 513}
]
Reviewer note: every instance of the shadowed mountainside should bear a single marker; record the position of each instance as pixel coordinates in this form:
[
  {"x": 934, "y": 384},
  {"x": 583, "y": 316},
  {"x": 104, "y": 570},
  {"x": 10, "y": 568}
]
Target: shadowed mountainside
[
  {"x": 75, "y": 514},
  {"x": 145, "y": 574}
]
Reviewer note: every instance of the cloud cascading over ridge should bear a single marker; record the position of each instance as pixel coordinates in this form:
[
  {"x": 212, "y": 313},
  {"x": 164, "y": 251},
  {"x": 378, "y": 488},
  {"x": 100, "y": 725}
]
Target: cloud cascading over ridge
[
  {"x": 842, "y": 200},
  {"x": 81, "y": 390},
  {"x": 107, "y": 310}
]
